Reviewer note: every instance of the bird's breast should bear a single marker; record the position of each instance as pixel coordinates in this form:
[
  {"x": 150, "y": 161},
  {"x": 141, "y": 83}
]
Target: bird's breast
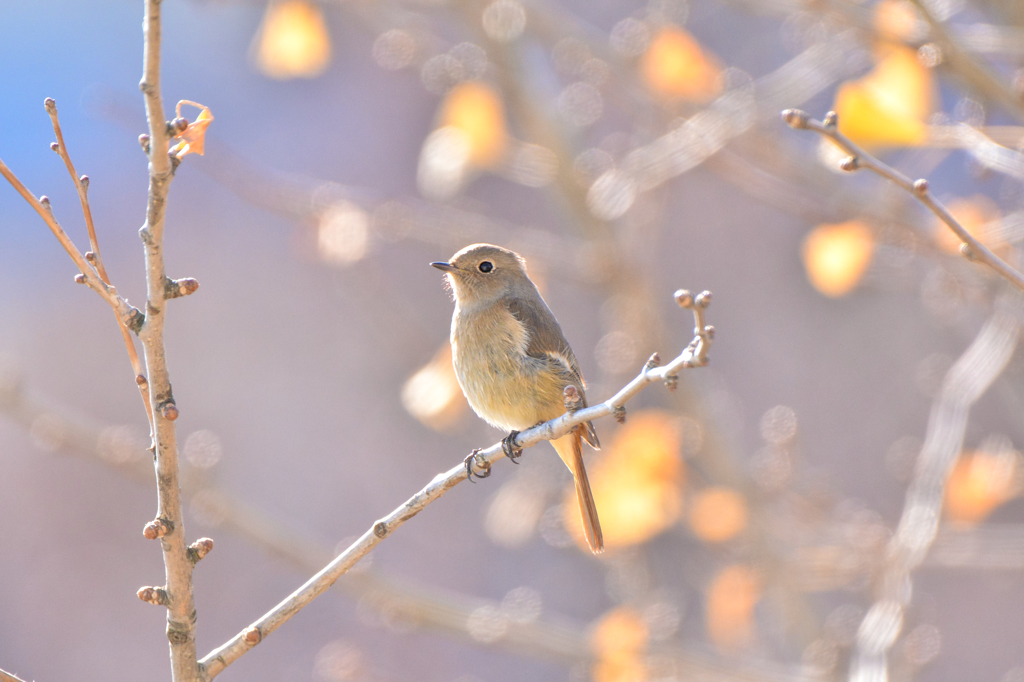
[{"x": 503, "y": 384}]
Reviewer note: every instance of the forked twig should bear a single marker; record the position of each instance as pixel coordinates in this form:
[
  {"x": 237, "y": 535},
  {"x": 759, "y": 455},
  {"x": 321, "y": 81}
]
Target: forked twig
[
  {"x": 93, "y": 255},
  {"x": 971, "y": 248},
  {"x": 694, "y": 355},
  {"x": 126, "y": 314}
]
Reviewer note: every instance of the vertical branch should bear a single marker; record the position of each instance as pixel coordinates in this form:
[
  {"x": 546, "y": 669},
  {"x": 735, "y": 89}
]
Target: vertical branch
[{"x": 180, "y": 602}]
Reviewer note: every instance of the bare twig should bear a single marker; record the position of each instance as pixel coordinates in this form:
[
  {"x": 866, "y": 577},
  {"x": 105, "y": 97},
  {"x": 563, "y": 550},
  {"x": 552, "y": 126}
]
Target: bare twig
[
  {"x": 965, "y": 382},
  {"x": 972, "y": 70},
  {"x": 695, "y": 355},
  {"x": 8, "y": 677},
  {"x": 126, "y": 314},
  {"x": 181, "y": 612},
  {"x": 552, "y": 637},
  {"x": 82, "y": 186},
  {"x": 971, "y": 248}
]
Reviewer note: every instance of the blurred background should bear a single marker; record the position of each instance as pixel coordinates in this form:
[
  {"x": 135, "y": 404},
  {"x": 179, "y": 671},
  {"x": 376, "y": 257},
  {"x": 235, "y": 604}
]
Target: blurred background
[{"x": 625, "y": 149}]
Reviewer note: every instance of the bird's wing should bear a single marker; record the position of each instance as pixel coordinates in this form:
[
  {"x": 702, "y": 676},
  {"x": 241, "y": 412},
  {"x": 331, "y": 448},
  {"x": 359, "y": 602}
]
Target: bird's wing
[{"x": 546, "y": 342}]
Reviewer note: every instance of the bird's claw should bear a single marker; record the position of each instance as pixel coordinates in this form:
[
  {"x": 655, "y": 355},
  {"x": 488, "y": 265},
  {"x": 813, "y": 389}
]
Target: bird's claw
[
  {"x": 509, "y": 449},
  {"x": 469, "y": 461}
]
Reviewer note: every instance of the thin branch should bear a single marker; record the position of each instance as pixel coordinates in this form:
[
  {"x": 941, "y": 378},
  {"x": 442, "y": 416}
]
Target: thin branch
[
  {"x": 966, "y": 381},
  {"x": 695, "y": 355},
  {"x": 82, "y": 186},
  {"x": 553, "y": 637},
  {"x": 971, "y": 248},
  {"x": 126, "y": 314},
  {"x": 972, "y": 70},
  {"x": 8, "y": 677},
  {"x": 181, "y": 612}
]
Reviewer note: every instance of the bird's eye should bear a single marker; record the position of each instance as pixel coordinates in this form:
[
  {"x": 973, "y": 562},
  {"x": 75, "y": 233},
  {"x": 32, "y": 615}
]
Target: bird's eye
[{"x": 485, "y": 266}]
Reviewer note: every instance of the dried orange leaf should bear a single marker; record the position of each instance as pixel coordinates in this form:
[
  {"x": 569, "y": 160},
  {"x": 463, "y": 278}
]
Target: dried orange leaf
[{"x": 194, "y": 134}]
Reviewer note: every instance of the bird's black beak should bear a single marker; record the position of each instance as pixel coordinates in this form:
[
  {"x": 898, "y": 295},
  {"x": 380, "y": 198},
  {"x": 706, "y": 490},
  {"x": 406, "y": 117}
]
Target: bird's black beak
[{"x": 447, "y": 267}]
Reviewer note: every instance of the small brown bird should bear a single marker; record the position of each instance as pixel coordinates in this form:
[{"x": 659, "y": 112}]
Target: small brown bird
[{"x": 512, "y": 361}]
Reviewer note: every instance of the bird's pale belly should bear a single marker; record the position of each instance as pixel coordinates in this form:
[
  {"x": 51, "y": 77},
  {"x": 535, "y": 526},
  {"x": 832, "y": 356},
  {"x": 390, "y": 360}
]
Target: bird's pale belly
[{"x": 506, "y": 387}]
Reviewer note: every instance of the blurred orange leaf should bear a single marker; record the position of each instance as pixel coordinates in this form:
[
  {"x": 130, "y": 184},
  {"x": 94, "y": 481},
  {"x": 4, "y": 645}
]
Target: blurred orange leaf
[
  {"x": 433, "y": 395},
  {"x": 980, "y": 482},
  {"x": 192, "y": 140},
  {"x": 619, "y": 642},
  {"x": 731, "y": 598},
  {"x": 637, "y": 482},
  {"x": 897, "y": 20},
  {"x": 718, "y": 514},
  {"x": 837, "y": 256},
  {"x": 475, "y": 109},
  {"x": 293, "y": 41},
  {"x": 889, "y": 106},
  {"x": 675, "y": 65},
  {"x": 977, "y": 215}
]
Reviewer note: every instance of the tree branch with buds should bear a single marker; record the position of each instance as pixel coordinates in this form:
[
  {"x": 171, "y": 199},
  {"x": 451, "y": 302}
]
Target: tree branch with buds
[
  {"x": 971, "y": 248},
  {"x": 93, "y": 254},
  {"x": 694, "y": 355}
]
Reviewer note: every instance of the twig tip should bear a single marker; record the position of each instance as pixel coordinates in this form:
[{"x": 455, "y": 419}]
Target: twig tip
[
  {"x": 703, "y": 299},
  {"x": 796, "y": 118},
  {"x": 50, "y": 104},
  {"x": 684, "y": 298}
]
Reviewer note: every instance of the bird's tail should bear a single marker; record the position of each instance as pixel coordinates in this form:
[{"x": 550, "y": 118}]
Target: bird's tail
[{"x": 570, "y": 449}]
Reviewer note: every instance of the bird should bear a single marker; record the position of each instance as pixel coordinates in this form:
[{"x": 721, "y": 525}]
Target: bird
[{"x": 513, "y": 362}]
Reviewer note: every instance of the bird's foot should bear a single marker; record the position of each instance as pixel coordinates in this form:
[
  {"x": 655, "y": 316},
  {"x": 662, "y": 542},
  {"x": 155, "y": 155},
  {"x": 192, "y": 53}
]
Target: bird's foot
[
  {"x": 470, "y": 461},
  {"x": 513, "y": 453}
]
